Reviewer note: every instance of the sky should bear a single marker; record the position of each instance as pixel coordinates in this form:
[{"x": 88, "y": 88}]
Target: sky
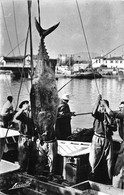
[{"x": 103, "y": 22}]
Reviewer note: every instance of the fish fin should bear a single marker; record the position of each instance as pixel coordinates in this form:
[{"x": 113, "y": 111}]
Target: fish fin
[{"x": 43, "y": 33}]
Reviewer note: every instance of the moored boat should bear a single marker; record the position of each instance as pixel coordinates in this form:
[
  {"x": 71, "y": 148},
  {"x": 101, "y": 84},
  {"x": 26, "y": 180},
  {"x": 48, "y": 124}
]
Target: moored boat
[{"x": 86, "y": 75}]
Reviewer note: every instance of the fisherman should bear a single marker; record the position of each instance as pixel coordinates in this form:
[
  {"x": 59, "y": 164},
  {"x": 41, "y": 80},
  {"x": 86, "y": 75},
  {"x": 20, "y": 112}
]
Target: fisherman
[
  {"x": 118, "y": 175},
  {"x": 26, "y": 142},
  {"x": 63, "y": 123},
  {"x": 101, "y": 151},
  {"x": 7, "y": 112}
]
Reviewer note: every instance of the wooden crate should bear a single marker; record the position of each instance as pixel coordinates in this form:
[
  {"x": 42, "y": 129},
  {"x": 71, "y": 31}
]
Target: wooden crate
[{"x": 74, "y": 160}]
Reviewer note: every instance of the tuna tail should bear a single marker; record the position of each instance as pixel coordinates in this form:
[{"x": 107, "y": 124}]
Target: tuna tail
[{"x": 43, "y": 33}]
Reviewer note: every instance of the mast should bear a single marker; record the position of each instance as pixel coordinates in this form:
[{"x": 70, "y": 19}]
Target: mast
[{"x": 30, "y": 30}]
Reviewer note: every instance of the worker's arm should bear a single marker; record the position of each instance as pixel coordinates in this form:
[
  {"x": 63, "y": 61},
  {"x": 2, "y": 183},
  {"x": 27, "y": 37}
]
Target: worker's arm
[
  {"x": 96, "y": 105},
  {"x": 17, "y": 115}
]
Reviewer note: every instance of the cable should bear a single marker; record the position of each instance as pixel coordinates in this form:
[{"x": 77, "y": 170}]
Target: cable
[
  {"x": 6, "y": 28},
  {"x": 16, "y": 28},
  {"x": 104, "y": 145},
  {"x": 8, "y": 32},
  {"x": 86, "y": 43},
  {"x": 65, "y": 84},
  {"x": 38, "y": 10},
  {"x": 17, "y": 46},
  {"x": 22, "y": 69},
  {"x": 22, "y": 73},
  {"x": 16, "y": 33},
  {"x": 83, "y": 30}
]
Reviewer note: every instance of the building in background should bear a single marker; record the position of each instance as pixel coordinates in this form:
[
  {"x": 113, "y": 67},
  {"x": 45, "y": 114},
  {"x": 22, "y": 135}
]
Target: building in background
[{"x": 111, "y": 62}]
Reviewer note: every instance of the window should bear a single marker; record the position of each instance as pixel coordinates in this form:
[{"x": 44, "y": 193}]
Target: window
[
  {"x": 111, "y": 61},
  {"x": 120, "y": 61}
]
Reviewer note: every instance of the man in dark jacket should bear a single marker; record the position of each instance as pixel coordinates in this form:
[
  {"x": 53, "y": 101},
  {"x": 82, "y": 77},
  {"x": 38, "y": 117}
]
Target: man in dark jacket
[
  {"x": 26, "y": 144},
  {"x": 63, "y": 123}
]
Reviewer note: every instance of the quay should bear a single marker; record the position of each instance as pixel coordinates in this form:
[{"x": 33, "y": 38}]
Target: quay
[{"x": 20, "y": 66}]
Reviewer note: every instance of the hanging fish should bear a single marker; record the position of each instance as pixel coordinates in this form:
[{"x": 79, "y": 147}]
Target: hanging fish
[{"x": 44, "y": 94}]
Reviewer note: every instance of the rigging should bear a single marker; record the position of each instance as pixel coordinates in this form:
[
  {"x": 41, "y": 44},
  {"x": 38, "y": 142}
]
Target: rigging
[
  {"x": 7, "y": 28},
  {"x": 8, "y": 31},
  {"x": 16, "y": 28},
  {"x": 86, "y": 44},
  {"x": 22, "y": 71}
]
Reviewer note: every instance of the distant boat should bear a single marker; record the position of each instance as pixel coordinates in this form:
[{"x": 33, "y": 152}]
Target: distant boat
[
  {"x": 87, "y": 75},
  {"x": 108, "y": 72}
]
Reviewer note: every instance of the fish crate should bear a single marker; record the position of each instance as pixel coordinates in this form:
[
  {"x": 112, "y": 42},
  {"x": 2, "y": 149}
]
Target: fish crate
[
  {"x": 74, "y": 160},
  {"x": 93, "y": 188}
]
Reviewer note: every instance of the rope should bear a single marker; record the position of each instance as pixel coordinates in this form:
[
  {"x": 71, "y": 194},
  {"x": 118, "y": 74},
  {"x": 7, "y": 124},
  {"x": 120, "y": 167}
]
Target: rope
[
  {"x": 38, "y": 10},
  {"x": 86, "y": 44},
  {"x": 22, "y": 69},
  {"x": 9, "y": 42},
  {"x": 8, "y": 32},
  {"x": 65, "y": 84},
  {"x": 16, "y": 28},
  {"x": 17, "y": 46},
  {"x": 104, "y": 146},
  {"x": 100, "y": 157},
  {"x": 22, "y": 73},
  {"x": 6, "y": 27},
  {"x": 83, "y": 30},
  {"x": 17, "y": 35}
]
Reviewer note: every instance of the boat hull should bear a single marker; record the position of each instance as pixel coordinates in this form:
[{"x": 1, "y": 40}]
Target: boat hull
[
  {"x": 86, "y": 75},
  {"x": 17, "y": 183}
]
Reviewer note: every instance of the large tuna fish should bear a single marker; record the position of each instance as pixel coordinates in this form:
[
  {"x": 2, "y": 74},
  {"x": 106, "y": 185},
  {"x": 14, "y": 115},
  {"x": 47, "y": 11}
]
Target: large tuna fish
[{"x": 44, "y": 95}]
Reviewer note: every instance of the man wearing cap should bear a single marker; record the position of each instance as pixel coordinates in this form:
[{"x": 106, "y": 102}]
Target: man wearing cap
[
  {"x": 63, "y": 123},
  {"x": 26, "y": 144},
  {"x": 7, "y": 112}
]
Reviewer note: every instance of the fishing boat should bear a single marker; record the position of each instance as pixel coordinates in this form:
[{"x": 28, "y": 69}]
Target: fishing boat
[
  {"x": 72, "y": 153},
  {"x": 87, "y": 74},
  {"x": 69, "y": 72}
]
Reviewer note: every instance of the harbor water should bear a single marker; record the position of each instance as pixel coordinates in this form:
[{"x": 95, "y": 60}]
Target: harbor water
[{"x": 83, "y": 94}]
